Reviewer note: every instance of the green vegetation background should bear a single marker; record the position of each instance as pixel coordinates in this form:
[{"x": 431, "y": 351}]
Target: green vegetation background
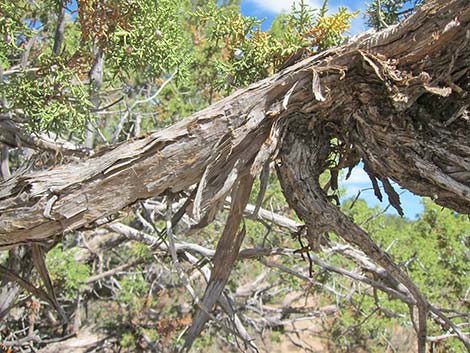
[{"x": 204, "y": 51}]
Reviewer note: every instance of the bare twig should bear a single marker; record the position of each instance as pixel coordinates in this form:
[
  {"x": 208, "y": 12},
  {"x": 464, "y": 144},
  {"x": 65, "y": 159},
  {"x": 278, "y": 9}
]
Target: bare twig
[
  {"x": 113, "y": 271},
  {"x": 124, "y": 117}
]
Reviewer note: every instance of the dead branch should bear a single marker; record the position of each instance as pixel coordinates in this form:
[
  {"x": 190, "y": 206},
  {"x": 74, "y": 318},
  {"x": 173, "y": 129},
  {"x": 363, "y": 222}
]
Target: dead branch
[{"x": 390, "y": 97}]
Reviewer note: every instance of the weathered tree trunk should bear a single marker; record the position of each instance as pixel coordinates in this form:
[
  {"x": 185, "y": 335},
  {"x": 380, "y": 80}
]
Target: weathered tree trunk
[{"x": 397, "y": 99}]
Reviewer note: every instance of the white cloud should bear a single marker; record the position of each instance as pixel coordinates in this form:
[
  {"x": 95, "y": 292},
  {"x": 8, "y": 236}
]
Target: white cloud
[
  {"x": 358, "y": 176},
  {"x": 274, "y": 7},
  {"x": 277, "y": 6}
]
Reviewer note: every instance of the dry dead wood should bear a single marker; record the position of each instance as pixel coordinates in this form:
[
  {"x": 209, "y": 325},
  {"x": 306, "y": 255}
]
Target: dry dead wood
[
  {"x": 387, "y": 96},
  {"x": 396, "y": 99}
]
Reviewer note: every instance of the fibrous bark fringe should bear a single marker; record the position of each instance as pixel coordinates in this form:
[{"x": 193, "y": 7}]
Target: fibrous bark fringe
[{"x": 397, "y": 100}]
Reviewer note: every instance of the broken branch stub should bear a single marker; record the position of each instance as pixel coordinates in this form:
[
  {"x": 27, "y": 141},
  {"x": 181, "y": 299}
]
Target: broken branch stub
[{"x": 387, "y": 97}]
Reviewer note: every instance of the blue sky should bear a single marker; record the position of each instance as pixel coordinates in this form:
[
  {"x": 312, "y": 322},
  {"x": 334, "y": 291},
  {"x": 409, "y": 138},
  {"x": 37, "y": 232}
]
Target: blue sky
[
  {"x": 270, "y": 8},
  {"x": 359, "y": 180}
]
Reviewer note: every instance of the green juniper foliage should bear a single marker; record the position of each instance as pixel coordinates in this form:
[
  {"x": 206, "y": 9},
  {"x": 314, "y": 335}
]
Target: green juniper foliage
[
  {"x": 211, "y": 49},
  {"x": 382, "y": 13},
  {"x": 202, "y": 51}
]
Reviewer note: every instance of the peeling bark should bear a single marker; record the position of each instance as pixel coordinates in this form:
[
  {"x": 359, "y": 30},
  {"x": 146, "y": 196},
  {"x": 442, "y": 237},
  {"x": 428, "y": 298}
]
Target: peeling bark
[
  {"x": 380, "y": 100},
  {"x": 224, "y": 259}
]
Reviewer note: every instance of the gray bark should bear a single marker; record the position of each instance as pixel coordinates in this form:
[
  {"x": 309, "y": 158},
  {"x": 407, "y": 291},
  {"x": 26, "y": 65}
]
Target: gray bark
[
  {"x": 59, "y": 30},
  {"x": 384, "y": 95},
  {"x": 13, "y": 135},
  {"x": 4, "y": 162}
]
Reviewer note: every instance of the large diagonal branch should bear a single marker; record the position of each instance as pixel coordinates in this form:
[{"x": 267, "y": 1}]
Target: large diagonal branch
[{"x": 375, "y": 94}]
